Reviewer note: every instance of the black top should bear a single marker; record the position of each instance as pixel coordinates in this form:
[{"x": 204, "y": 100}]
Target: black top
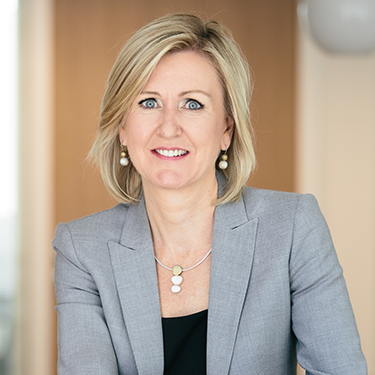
[{"x": 185, "y": 344}]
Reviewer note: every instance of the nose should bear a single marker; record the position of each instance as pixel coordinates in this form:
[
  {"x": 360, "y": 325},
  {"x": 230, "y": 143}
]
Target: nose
[{"x": 169, "y": 126}]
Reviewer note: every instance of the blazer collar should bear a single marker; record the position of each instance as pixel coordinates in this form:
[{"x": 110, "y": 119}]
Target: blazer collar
[
  {"x": 233, "y": 245},
  {"x": 135, "y": 274}
]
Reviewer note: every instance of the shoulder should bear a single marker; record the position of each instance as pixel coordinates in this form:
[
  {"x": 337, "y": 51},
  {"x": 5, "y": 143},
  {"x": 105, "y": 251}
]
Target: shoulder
[
  {"x": 270, "y": 201},
  {"x": 282, "y": 212},
  {"x": 107, "y": 224}
]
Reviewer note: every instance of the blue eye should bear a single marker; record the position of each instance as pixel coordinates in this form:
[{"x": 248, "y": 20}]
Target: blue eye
[
  {"x": 193, "y": 105},
  {"x": 148, "y": 103}
]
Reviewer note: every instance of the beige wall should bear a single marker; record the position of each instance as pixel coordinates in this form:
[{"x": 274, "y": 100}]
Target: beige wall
[
  {"x": 336, "y": 161},
  {"x": 35, "y": 319}
]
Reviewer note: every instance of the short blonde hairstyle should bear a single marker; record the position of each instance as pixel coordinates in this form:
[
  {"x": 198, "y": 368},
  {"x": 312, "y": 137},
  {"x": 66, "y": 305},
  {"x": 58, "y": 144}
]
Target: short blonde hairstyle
[{"x": 132, "y": 69}]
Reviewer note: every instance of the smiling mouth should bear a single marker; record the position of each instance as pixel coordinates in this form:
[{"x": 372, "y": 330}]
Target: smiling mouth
[{"x": 171, "y": 153}]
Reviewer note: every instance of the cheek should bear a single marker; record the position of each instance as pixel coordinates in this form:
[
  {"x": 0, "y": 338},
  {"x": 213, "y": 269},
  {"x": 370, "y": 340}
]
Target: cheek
[
  {"x": 130, "y": 128},
  {"x": 136, "y": 157},
  {"x": 138, "y": 145},
  {"x": 133, "y": 134}
]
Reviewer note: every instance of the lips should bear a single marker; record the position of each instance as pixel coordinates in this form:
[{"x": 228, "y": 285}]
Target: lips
[{"x": 170, "y": 153}]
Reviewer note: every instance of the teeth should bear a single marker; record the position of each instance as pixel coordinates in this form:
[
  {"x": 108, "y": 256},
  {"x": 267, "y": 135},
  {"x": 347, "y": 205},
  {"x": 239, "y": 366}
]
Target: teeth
[{"x": 171, "y": 153}]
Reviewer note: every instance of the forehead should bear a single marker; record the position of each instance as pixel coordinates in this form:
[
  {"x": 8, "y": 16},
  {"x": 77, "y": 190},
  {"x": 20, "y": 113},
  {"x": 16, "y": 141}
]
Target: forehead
[{"x": 189, "y": 69}]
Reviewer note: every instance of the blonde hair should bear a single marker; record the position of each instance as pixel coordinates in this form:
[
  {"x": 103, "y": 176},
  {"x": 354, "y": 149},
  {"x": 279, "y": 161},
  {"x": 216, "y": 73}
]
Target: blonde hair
[{"x": 133, "y": 67}]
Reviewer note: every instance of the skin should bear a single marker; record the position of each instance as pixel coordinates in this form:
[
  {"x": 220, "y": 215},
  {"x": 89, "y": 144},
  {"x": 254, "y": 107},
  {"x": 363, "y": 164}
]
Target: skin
[{"x": 181, "y": 112}]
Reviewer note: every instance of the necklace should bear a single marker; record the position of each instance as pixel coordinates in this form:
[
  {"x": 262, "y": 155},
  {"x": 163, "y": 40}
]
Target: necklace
[{"x": 177, "y": 270}]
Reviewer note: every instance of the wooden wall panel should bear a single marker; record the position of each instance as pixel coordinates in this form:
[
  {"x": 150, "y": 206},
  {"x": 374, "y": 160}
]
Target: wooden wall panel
[{"x": 89, "y": 35}]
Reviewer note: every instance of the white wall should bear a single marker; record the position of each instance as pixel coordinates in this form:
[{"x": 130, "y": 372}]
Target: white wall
[{"x": 336, "y": 162}]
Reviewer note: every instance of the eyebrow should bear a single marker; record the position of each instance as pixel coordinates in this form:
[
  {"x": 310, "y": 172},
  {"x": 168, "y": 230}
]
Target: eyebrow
[
  {"x": 184, "y": 93},
  {"x": 196, "y": 91},
  {"x": 150, "y": 93}
]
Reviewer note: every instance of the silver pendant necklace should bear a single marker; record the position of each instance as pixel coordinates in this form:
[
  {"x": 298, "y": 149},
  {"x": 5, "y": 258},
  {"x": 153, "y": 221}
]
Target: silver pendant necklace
[{"x": 177, "y": 271}]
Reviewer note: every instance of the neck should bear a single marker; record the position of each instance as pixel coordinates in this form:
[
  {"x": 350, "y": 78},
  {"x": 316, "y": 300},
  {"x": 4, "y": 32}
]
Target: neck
[{"x": 181, "y": 221}]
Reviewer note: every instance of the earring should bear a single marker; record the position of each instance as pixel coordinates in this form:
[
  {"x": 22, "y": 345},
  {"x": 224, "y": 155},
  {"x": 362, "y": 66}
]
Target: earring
[
  {"x": 124, "y": 161},
  {"x": 223, "y": 164}
]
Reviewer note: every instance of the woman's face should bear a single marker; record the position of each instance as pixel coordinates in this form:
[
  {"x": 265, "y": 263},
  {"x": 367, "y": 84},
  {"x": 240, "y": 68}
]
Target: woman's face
[{"x": 176, "y": 127}]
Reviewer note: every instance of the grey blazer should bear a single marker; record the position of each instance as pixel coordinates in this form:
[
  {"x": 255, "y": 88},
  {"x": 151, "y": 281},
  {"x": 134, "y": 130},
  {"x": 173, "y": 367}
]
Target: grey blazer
[{"x": 277, "y": 293}]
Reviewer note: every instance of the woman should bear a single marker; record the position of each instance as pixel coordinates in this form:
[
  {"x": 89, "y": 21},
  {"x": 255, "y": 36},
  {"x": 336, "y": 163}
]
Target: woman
[{"x": 193, "y": 272}]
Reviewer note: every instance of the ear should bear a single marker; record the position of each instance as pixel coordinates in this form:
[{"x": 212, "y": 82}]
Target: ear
[
  {"x": 228, "y": 132},
  {"x": 123, "y": 135}
]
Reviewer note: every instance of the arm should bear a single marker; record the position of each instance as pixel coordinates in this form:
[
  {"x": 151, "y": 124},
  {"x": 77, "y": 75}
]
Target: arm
[
  {"x": 84, "y": 342},
  {"x": 322, "y": 316}
]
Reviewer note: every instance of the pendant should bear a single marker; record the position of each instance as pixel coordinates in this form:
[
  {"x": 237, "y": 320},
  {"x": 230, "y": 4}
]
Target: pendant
[{"x": 176, "y": 279}]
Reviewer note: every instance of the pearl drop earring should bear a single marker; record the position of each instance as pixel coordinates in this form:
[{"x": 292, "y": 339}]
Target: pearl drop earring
[
  {"x": 124, "y": 161},
  {"x": 223, "y": 164}
]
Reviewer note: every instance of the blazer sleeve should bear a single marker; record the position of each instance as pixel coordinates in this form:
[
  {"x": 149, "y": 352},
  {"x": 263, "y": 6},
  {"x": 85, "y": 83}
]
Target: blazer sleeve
[
  {"x": 322, "y": 317},
  {"x": 84, "y": 342}
]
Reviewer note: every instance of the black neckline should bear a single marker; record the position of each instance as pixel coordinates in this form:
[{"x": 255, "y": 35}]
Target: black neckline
[{"x": 186, "y": 316}]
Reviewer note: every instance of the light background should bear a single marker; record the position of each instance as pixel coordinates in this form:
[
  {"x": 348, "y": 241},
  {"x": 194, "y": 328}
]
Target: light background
[{"x": 312, "y": 111}]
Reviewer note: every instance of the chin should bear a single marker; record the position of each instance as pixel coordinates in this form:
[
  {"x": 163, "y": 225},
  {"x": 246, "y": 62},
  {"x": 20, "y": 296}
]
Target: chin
[
  {"x": 170, "y": 180},
  {"x": 176, "y": 180}
]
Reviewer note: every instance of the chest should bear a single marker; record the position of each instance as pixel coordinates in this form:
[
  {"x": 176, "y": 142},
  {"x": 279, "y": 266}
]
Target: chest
[{"x": 194, "y": 293}]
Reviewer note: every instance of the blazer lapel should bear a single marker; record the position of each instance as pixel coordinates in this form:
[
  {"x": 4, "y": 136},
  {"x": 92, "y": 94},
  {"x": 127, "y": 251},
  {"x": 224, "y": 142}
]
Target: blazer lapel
[
  {"x": 135, "y": 274},
  {"x": 232, "y": 256}
]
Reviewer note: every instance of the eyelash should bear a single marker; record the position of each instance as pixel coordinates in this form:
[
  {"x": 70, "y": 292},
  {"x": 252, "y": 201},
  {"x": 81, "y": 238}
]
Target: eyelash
[
  {"x": 141, "y": 103},
  {"x": 200, "y": 105}
]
